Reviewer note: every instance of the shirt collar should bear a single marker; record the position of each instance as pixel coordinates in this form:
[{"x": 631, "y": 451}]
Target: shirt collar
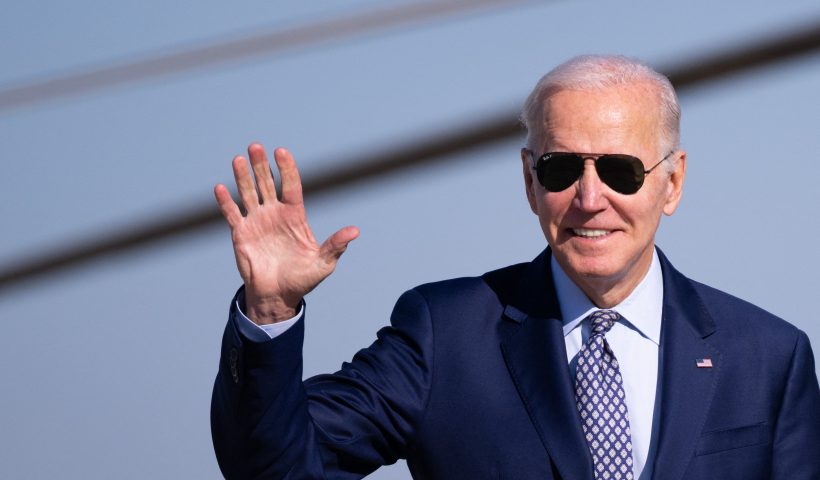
[{"x": 642, "y": 309}]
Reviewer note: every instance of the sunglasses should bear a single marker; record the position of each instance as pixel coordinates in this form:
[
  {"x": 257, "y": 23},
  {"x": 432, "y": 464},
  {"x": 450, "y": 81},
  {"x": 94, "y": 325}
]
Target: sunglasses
[{"x": 625, "y": 174}]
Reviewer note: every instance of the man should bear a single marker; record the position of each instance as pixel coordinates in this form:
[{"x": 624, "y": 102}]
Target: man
[{"x": 596, "y": 360}]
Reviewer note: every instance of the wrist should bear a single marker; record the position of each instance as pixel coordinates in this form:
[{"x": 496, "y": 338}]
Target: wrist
[{"x": 272, "y": 309}]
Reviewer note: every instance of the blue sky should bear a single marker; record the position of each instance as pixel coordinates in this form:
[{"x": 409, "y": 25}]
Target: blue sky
[{"x": 108, "y": 366}]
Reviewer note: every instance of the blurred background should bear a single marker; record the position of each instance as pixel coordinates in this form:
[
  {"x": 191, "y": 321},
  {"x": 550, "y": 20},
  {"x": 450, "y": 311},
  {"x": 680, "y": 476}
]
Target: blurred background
[{"x": 117, "y": 118}]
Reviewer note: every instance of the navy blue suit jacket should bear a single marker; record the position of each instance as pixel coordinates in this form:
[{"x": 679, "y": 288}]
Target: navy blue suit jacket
[{"x": 470, "y": 381}]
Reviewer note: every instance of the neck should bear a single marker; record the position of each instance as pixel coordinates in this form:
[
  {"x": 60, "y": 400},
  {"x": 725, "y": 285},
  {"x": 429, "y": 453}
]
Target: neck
[{"x": 605, "y": 295}]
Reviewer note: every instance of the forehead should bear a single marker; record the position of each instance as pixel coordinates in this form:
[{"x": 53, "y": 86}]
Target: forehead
[{"x": 619, "y": 119}]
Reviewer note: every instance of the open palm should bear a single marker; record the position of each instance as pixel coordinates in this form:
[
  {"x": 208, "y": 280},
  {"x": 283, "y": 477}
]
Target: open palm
[{"x": 277, "y": 255}]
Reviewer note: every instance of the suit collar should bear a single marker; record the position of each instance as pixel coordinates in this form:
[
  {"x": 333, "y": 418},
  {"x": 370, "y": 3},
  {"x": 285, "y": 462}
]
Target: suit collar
[
  {"x": 535, "y": 353},
  {"x": 686, "y": 390},
  {"x": 679, "y": 292},
  {"x": 528, "y": 290}
]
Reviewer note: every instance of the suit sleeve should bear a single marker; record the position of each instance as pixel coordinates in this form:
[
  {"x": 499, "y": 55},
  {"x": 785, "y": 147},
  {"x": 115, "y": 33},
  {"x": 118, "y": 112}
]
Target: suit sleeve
[
  {"x": 797, "y": 431},
  {"x": 267, "y": 423}
]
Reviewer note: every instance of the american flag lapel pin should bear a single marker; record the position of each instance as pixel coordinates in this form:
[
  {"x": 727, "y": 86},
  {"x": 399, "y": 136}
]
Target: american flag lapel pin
[{"x": 704, "y": 362}]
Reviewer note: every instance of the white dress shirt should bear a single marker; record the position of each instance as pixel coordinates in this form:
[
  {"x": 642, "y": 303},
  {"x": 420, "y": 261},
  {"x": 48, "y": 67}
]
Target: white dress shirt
[{"x": 634, "y": 341}]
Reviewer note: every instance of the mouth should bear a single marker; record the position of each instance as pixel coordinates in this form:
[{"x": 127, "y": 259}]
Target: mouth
[{"x": 590, "y": 232}]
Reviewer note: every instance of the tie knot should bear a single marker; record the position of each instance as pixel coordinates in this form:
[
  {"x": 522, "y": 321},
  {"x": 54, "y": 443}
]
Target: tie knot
[{"x": 602, "y": 321}]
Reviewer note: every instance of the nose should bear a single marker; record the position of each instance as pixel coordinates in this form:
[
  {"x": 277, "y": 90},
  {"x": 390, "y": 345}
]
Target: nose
[{"x": 590, "y": 193}]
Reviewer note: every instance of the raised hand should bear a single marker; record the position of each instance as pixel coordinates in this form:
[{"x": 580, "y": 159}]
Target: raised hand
[{"x": 276, "y": 253}]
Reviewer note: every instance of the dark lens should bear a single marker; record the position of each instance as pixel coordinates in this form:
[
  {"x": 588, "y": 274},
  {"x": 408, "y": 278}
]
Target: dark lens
[
  {"x": 557, "y": 171},
  {"x": 623, "y": 173}
]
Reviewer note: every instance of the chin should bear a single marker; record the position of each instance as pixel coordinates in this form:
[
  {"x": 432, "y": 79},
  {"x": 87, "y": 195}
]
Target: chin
[
  {"x": 588, "y": 266},
  {"x": 614, "y": 260},
  {"x": 595, "y": 270}
]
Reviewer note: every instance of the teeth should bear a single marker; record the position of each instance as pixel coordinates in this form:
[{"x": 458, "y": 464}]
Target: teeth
[{"x": 589, "y": 233}]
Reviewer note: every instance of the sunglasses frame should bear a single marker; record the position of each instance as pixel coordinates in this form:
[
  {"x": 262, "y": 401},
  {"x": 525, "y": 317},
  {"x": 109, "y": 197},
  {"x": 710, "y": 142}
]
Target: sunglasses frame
[{"x": 635, "y": 162}]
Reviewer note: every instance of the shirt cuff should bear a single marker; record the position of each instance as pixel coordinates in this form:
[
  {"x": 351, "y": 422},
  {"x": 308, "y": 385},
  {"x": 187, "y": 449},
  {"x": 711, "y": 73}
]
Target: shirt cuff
[{"x": 263, "y": 333}]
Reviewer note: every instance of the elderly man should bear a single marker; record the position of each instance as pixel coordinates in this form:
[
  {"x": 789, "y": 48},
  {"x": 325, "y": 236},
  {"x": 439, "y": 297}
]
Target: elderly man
[{"x": 596, "y": 360}]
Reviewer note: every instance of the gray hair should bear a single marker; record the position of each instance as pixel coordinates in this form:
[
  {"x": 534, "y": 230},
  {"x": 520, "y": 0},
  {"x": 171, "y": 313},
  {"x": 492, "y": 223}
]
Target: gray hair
[{"x": 597, "y": 72}]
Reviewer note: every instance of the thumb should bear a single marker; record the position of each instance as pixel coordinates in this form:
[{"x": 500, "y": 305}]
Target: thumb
[{"x": 336, "y": 244}]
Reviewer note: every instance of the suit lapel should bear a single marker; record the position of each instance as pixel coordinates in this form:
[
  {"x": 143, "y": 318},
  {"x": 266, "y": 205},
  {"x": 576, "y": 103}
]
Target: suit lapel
[
  {"x": 535, "y": 353},
  {"x": 686, "y": 390}
]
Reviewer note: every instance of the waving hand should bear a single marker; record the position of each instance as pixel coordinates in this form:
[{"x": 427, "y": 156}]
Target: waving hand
[{"x": 276, "y": 252}]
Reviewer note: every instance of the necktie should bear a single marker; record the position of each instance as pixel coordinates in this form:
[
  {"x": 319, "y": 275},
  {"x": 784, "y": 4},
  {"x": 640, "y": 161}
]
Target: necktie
[{"x": 599, "y": 393}]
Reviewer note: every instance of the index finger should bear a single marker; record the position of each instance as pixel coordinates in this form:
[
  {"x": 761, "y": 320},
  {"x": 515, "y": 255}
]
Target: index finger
[{"x": 291, "y": 181}]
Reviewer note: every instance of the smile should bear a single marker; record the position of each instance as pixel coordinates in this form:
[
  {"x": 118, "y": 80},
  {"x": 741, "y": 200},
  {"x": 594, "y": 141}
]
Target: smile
[{"x": 590, "y": 233}]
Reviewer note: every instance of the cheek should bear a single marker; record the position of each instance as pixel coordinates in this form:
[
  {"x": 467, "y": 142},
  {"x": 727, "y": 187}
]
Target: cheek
[
  {"x": 648, "y": 208},
  {"x": 551, "y": 210},
  {"x": 645, "y": 220}
]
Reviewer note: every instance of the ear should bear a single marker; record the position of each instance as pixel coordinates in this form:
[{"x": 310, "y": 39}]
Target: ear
[
  {"x": 675, "y": 185},
  {"x": 526, "y": 163}
]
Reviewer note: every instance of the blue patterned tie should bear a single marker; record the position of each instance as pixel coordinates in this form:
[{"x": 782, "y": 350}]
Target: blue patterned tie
[{"x": 599, "y": 393}]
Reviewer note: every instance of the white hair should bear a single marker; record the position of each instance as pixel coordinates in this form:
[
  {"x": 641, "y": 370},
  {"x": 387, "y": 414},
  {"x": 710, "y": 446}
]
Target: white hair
[{"x": 598, "y": 72}]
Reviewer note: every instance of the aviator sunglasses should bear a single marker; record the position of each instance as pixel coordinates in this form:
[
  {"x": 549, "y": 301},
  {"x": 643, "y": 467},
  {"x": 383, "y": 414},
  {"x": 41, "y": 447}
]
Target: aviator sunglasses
[{"x": 625, "y": 174}]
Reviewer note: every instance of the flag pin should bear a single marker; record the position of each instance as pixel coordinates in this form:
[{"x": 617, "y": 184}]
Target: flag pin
[{"x": 704, "y": 362}]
